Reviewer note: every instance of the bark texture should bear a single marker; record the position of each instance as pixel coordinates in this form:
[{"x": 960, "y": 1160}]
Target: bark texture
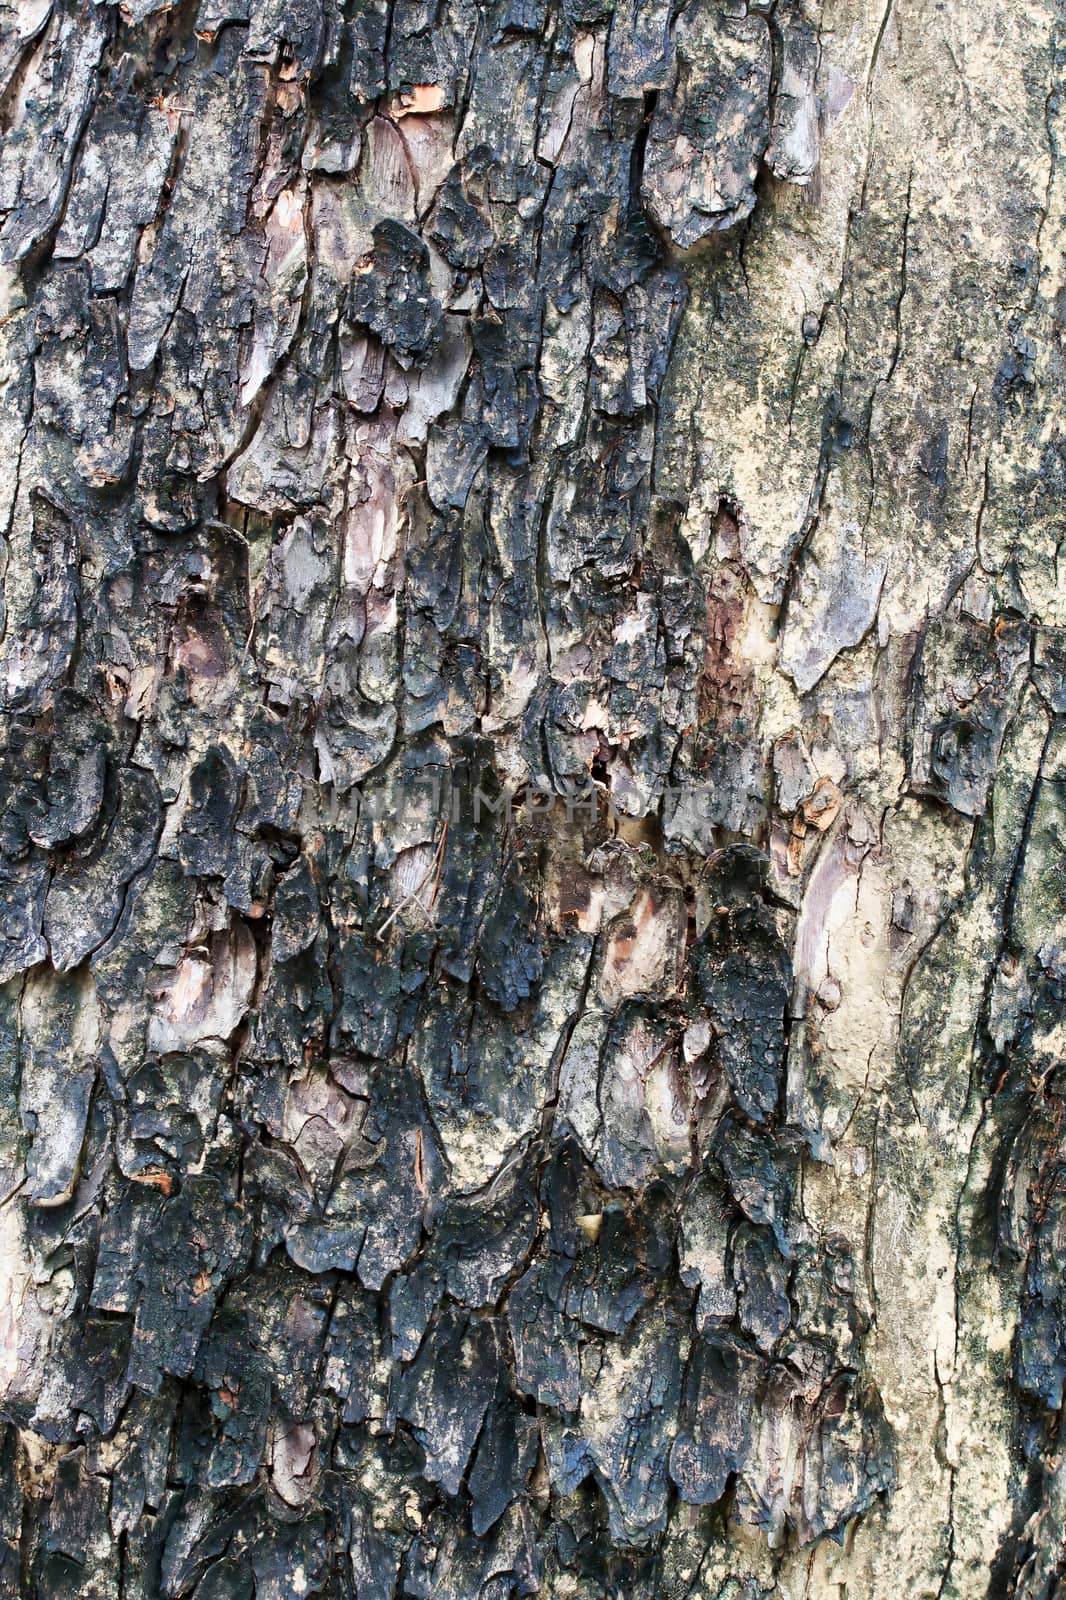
[{"x": 418, "y": 1178}]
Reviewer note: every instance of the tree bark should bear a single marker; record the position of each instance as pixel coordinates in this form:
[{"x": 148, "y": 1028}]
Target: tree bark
[{"x": 534, "y": 914}]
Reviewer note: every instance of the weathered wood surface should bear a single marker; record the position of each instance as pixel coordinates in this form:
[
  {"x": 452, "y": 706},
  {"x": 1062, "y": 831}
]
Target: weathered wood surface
[{"x": 405, "y": 406}]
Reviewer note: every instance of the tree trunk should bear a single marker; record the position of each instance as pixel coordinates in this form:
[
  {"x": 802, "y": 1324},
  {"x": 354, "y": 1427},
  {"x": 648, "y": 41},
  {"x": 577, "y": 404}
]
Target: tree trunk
[{"x": 534, "y": 906}]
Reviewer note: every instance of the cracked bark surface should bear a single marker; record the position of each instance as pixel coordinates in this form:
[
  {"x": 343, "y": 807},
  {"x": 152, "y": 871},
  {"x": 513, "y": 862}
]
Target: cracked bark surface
[{"x": 417, "y": 1178}]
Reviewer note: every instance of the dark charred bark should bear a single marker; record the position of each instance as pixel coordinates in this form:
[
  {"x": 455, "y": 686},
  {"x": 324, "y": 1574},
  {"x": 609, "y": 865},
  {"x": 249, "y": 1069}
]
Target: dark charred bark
[{"x": 532, "y": 841}]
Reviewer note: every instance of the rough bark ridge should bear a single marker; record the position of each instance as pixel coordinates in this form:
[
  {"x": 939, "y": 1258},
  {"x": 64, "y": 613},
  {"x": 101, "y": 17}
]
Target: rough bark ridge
[{"x": 410, "y": 410}]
